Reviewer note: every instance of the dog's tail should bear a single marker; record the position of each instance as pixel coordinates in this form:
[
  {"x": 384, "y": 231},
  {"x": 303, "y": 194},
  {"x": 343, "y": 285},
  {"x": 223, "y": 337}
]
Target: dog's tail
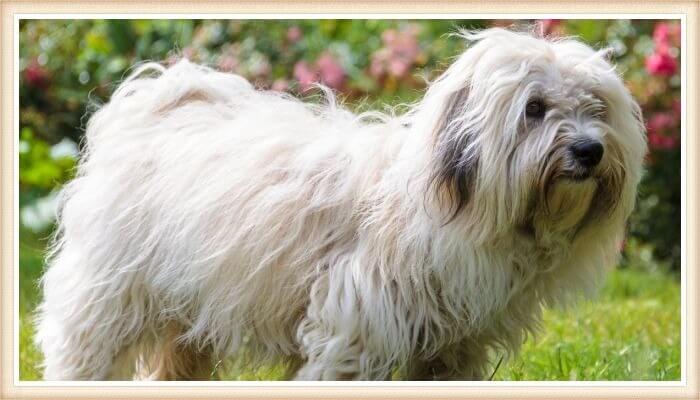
[
  {"x": 155, "y": 90},
  {"x": 162, "y": 88}
]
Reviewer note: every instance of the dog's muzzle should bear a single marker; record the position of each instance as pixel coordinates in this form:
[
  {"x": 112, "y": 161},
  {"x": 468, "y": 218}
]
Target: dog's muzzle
[{"x": 586, "y": 155}]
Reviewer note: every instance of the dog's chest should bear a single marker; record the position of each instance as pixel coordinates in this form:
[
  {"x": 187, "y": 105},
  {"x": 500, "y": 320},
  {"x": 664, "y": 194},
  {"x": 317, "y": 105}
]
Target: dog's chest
[{"x": 510, "y": 283}]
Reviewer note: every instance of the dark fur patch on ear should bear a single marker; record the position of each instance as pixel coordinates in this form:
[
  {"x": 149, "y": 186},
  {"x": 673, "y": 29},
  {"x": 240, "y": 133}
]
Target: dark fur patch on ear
[{"x": 454, "y": 163}]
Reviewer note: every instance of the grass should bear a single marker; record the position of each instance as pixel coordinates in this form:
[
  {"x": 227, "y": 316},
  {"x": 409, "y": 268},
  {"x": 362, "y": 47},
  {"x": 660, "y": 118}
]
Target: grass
[{"x": 630, "y": 332}]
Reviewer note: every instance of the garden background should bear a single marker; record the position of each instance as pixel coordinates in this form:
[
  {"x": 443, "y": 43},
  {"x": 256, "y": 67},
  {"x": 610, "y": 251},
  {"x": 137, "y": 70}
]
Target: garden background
[{"x": 631, "y": 331}]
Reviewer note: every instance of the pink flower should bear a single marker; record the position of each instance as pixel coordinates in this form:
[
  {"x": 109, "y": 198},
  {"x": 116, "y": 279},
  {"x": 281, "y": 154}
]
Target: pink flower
[
  {"x": 227, "y": 63},
  {"x": 660, "y": 121},
  {"x": 398, "y": 55},
  {"x": 659, "y": 127},
  {"x": 661, "y": 142},
  {"x": 661, "y": 63},
  {"x": 326, "y": 70},
  {"x": 332, "y": 73},
  {"x": 379, "y": 62},
  {"x": 36, "y": 76},
  {"x": 667, "y": 35},
  {"x": 676, "y": 107},
  {"x": 280, "y": 85},
  {"x": 294, "y": 34},
  {"x": 549, "y": 26},
  {"x": 403, "y": 44},
  {"x": 399, "y": 67},
  {"x": 305, "y": 75}
]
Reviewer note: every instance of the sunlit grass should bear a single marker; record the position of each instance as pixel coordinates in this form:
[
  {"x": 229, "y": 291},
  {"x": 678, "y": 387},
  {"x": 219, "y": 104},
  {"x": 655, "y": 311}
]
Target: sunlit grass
[{"x": 631, "y": 332}]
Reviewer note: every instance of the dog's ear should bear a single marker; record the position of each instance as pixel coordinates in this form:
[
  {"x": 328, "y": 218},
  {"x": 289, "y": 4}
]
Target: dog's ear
[{"x": 455, "y": 158}]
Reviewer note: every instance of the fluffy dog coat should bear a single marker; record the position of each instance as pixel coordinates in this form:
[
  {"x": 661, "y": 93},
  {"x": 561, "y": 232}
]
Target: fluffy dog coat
[{"x": 211, "y": 220}]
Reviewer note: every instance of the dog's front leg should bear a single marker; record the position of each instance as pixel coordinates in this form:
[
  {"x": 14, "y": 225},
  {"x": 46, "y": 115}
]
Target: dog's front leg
[
  {"x": 464, "y": 361},
  {"x": 329, "y": 356},
  {"x": 331, "y": 336}
]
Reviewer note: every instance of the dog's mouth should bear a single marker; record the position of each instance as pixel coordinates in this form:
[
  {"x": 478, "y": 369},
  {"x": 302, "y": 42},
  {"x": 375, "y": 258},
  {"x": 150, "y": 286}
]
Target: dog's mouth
[{"x": 578, "y": 173}]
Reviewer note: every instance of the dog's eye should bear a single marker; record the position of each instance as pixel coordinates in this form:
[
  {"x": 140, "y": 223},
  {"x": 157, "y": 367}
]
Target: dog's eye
[
  {"x": 600, "y": 111},
  {"x": 601, "y": 114},
  {"x": 535, "y": 109}
]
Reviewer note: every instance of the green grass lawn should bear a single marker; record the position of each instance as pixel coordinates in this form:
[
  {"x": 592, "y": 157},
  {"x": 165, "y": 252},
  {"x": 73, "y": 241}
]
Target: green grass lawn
[{"x": 630, "y": 332}]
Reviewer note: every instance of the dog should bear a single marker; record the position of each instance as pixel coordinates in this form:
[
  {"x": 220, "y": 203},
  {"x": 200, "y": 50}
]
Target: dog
[{"x": 212, "y": 221}]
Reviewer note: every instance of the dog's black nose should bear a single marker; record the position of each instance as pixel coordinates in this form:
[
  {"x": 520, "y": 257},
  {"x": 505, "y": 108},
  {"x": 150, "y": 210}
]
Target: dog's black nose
[{"x": 588, "y": 153}]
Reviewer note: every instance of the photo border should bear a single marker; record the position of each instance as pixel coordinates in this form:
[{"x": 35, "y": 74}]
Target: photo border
[{"x": 11, "y": 11}]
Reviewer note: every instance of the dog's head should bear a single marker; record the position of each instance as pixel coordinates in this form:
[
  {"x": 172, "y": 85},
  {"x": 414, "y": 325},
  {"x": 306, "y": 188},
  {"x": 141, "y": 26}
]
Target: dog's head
[{"x": 533, "y": 133}]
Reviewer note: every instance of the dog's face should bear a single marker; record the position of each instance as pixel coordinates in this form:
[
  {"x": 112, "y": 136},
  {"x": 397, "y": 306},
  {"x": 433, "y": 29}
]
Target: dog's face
[{"x": 534, "y": 133}]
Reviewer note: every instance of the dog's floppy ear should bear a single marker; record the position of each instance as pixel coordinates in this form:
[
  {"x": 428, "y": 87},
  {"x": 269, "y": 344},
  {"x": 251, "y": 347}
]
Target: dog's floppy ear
[{"x": 455, "y": 157}]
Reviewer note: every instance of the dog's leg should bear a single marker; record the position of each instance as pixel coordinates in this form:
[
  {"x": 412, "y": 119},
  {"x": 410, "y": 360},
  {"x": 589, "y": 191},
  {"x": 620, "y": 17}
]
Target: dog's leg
[
  {"x": 331, "y": 356},
  {"x": 331, "y": 337},
  {"x": 431, "y": 370},
  {"x": 76, "y": 357},
  {"x": 73, "y": 351},
  {"x": 465, "y": 361},
  {"x": 89, "y": 323},
  {"x": 81, "y": 341},
  {"x": 438, "y": 369},
  {"x": 171, "y": 360}
]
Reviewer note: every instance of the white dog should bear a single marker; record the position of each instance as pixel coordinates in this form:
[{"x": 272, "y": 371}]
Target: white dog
[{"x": 210, "y": 220}]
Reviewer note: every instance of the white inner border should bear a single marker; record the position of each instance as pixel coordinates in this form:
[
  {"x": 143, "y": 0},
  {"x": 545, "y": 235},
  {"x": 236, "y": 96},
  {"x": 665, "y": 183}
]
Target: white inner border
[{"x": 262, "y": 384}]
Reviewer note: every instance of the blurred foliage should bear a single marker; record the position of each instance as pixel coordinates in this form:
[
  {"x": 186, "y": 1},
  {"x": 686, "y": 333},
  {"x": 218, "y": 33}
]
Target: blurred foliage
[{"x": 70, "y": 67}]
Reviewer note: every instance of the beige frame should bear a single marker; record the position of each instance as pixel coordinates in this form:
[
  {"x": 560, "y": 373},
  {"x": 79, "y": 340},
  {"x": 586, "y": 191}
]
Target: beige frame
[{"x": 687, "y": 388}]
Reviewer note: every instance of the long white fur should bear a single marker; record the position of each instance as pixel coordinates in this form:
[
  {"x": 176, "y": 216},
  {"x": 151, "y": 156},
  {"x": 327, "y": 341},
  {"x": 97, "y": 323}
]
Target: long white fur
[{"x": 245, "y": 223}]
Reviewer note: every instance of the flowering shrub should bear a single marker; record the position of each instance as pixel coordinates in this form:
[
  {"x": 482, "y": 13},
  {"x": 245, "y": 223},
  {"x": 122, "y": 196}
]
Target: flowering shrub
[
  {"x": 399, "y": 54},
  {"x": 666, "y": 39},
  {"x": 65, "y": 63},
  {"x": 327, "y": 71},
  {"x": 658, "y": 215}
]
